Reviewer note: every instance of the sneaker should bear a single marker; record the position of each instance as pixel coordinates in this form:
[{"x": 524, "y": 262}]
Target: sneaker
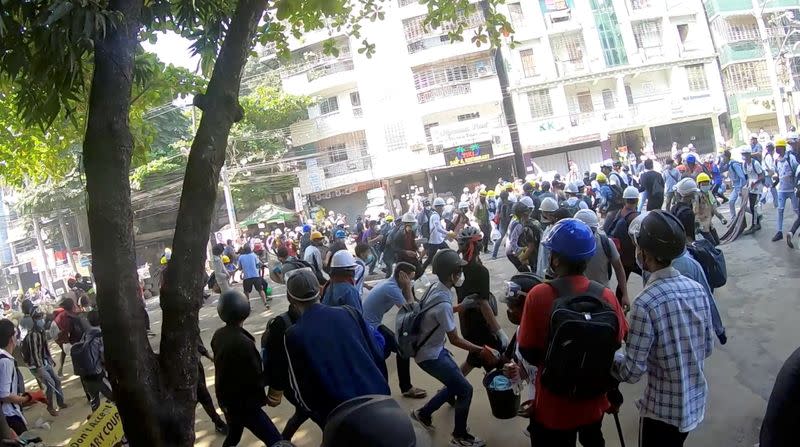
[
  {"x": 466, "y": 440},
  {"x": 426, "y": 422},
  {"x": 778, "y": 236},
  {"x": 789, "y": 240}
]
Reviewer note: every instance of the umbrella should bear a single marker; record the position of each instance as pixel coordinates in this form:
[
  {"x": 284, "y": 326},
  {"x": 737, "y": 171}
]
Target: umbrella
[{"x": 269, "y": 213}]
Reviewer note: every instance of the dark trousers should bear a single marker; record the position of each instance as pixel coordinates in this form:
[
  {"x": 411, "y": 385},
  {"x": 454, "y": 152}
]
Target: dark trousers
[
  {"x": 589, "y": 436},
  {"x": 95, "y": 386},
  {"x": 753, "y": 200},
  {"x": 518, "y": 264},
  {"x": 795, "y": 226},
  {"x": 487, "y": 232},
  {"x": 431, "y": 250},
  {"x": 204, "y": 397},
  {"x": 17, "y": 424},
  {"x": 654, "y": 202},
  {"x": 653, "y": 433},
  {"x": 253, "y": 419},
  {"x": 403, "y": 365}
]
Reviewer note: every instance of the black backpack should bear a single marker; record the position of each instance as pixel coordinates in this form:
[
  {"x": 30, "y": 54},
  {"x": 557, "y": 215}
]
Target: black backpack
[
  {"x": 712, "y": 260},
  {"x": 616, "y": 200},
  {"x": 584, "y": 334},
  {"x": 425, "y": 227}
]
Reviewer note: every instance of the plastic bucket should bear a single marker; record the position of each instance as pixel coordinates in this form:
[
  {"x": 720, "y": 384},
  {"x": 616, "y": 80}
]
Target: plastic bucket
[{"x": 505, "y": 404}]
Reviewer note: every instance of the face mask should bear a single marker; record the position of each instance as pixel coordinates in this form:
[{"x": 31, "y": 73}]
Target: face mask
[
  {"x": 460, "y": 280},
  {"x": 705, "y": 188},
  {"x": 39, "y": 324}
]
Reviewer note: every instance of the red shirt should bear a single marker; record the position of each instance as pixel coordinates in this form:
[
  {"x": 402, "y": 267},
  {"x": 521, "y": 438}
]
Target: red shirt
[{"x": 552, "y": 411}]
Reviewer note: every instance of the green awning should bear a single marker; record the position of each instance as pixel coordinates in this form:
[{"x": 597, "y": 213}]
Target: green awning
[{"x": 269, "y": 213}]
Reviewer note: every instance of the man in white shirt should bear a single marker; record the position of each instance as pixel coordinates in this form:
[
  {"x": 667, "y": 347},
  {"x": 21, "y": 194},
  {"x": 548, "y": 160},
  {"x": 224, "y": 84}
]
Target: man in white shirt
[
  {"x": 313, "y": 256},
  {"x": 438, "y": 232},
  {"x": 12, "y": 389}
]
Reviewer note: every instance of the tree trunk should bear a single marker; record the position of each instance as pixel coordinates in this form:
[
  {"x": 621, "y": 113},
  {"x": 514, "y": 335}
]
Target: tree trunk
[
  {"x": 181, "y": 294},
  {"x": 107, "y": 150},
  {"x": 67, "y": 245}
]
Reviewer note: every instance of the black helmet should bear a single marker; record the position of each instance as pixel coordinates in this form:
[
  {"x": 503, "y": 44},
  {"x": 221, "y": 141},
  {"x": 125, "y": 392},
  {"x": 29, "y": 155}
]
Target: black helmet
[
  {"x": 467, "y": 233},
  {"x": 520, "y": 209},
  {"x": 27, "y": 306},
  {"x": 662, "y": 235},
  {"x": 517, "y": 288},
  {"x": 302, "y": 285},
  {"x": 233, "y": 306},
  {"x": 376, "y": 421},
  {"x": 446, "y": 262}
]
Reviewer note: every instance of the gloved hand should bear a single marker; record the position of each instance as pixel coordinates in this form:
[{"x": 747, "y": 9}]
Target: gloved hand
[
  {"x": 489, "y": 356},
  {"x": 615, "y": 399},
  {"x": 503, "y": 338},
  {"x": 274, "y": 397},
  {"x": 470, "y": 302},
  {"x": 37, "y": 396}
]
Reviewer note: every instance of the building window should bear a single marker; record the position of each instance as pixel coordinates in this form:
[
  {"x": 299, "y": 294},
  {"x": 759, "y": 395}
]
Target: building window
[
  {"x": 640, "y": 4},
  {"x": 328, "y": 105},
  {"x": 528, "y": 63},
  {"x": 428, "y": 128},
  {"x": 585, "y": 102},
  {"x": 337, "y": 152},
  {"x": 696, "y": 74},
  {"x": 355, "y": 101},
  {"x": 515, "y": 15},
  {"x": 395, "y": 135},
  {"x": 469, "y": 116},
  {"x": 608, "y": 99},
  {"x": 610, "y": 35},
  {"x": 568, "y": 53},
  {"x": 746, "y": 77},
  {"x": 647, "y": 35},
  {"x": 629, "y": 94},
  {"x": 540, "y": 104},
  {"x": 459, "y": 73},
  {"x": 441, "y": 75}
]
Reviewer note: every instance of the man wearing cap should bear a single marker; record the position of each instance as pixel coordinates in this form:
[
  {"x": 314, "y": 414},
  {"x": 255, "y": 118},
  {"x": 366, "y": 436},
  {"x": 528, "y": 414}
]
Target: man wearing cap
[
  {"x": 331, "y": 353},
  {"x": 313, "y": 256},
  {"x": 692, "y": 167},
  {"x": 437, "y": 231},
  {"x": 738, "y": 179},
  {"x": 617, "y": 177},
  {"x": 341, "y": 289},
  {"x": 787, "y": 168}
]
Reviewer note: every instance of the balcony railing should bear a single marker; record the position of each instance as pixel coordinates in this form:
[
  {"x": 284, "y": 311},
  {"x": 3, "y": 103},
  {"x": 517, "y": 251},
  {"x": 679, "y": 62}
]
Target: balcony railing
[
  {"x": 443, "y": 91},
  {"x": 566, "y": 68},
  {"x": 640, "y": 4},
  {"x": 347, "y": 167},
  {"x": 330, "y": 68},
  {"x": 740, "y": 51}
]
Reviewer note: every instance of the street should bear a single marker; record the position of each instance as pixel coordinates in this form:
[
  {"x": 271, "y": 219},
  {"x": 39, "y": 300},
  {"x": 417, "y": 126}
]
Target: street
[{"x": 758, "y": 305}]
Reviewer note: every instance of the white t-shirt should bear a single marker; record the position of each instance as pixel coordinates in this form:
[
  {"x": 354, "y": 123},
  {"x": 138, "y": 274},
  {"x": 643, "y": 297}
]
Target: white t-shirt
[
  {"x": 220, "y": 274},
  {"x": 437, "y": 231},
  {"x": 438, "y": 321},
  {"x": 9, "y": 384}
]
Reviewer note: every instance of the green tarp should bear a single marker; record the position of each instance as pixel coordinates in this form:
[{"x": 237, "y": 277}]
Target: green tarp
[{"x": 269, "y": 213}]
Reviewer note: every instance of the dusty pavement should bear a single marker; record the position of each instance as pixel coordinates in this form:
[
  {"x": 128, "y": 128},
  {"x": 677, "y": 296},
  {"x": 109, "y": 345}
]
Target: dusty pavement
[{"x": 759, "y": 306}]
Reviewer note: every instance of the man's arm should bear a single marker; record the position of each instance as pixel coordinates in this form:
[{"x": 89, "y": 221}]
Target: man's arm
[
  {"x": 630, "y": 366},
  {"x": 457, "y": 341},
  {"x": 619, "y": 272}
]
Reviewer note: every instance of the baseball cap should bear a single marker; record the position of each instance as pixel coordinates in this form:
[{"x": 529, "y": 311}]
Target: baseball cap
[{"x": 301, "y": 284}]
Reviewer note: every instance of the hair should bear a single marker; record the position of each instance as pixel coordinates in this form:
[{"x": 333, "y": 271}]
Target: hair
[
  {"x": 71, "y": 282},
  {"x": 217, "y": 249},
  {"x": 78, "y": 275},
  {"x": 361, "y": 247},
  {"x": 282, "y": 252},
  {"x": 669, "y": 161},
  {"x": 727, "y": 154},
  {"x": 648, "y": 163},
  {"x": 68, "y": 304},
  {"x": 631, "y": 201},
  {"x": 403, "y": 267},
  {"x": 230, "y": 241},
  {"x": 571, "y": 267},
  {"x": 561, "y": 213},
  {"x": 83, "y": 301},
  {"x": 246, "y": 249},
  {"x": 94, "y": 318},
  {"x": 7, "y": 330}
]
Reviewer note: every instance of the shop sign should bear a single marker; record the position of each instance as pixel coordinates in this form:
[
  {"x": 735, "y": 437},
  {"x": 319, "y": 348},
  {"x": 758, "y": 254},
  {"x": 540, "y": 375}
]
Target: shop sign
[
  {"x": 464, "y": 132},
  {"x": 343, "y": 191},
  {"x": 468, "y": 153}
]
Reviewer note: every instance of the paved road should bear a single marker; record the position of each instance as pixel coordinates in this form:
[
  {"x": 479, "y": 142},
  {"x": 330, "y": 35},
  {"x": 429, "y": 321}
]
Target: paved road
[{"x": 759, "y": 305}]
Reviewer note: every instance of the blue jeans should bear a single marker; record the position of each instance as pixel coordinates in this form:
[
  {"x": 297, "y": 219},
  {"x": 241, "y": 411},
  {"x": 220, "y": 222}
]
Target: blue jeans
[
  {"x": 737, "y": 191},
  {"x": 642, "y": 200},
  {"x": 52, "y": 383},
  {"x": 445, "y": 370},
  {"x": 497, "y": 242},
  {"x": 781, "y": 204}
]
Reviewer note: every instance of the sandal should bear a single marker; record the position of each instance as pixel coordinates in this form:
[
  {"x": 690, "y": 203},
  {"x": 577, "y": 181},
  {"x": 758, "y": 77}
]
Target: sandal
[
  {"x": 53, "y": 412},
  {"x": 415, "y": 393}
]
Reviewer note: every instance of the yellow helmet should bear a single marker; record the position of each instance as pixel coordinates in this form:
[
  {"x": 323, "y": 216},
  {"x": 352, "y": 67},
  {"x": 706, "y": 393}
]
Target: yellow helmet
[
  {"x": 390, "y": 218},
  {"x": 601, "y": 178},
  {"x": 490, "y": 193},
  {"x": 703, "y": 177},
  {"x": 780, "y": 142},
  {"x": 163, "y": 260},
  {"x": 483, "y": 193},
  {"x": 226, "y": 259}
]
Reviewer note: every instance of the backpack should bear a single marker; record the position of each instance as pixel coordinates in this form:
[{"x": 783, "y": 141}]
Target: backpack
[
  {"x": 583, "y": 337},
  {"x": 84, "y": 359},
  {"x": 606, "y": 243},
  {"x": 622, "y": 183},
  {"x": 572, "y": 209},
  {"x": 616, "y": 200},
  {"x": 712, "y": 260},
  {"x": 531, "y": 234},
  {"x": 409, "y": 322},
  {"x": 619, "y": 232},
  {"x": 423, "y": 221},
  {"x": 25, "y": 349}
]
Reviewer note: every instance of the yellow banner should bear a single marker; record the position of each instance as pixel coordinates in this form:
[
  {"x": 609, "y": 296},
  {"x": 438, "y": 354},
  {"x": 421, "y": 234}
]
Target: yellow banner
[{"x": 103, "y": 429}]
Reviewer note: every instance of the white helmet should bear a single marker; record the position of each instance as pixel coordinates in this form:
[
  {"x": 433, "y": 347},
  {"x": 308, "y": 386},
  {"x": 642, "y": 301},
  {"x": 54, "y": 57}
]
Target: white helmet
[
  {"x": 409, "y": 218},
  {"x": 686, "y": 187},
  {"x": 343, "y": 259},
  {"x": 450, "y": 201},
  {"x": 466, "y": 190},
  {"x": 438, "y": 201},
  {"x": 630, "y": 193},
  {"x": 463, "y": 205},
  {"x": 636, "y": 225},
  {"x": 608, "y": 163},
  {"x": 527, "y": 201},
  {"x": 753, "y": 135},
  {"x": 588, "y": 217},
  {"x": 571, "y": 188},
  {"x": 548, "y": 205}
]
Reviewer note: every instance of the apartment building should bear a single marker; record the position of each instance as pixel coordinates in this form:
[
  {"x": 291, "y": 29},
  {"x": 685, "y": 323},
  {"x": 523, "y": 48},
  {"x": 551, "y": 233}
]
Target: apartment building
[
  {"x": 596, "y": 79},
  {"x": 759, "y": 79},
  {"x": 422, "y": 113}
]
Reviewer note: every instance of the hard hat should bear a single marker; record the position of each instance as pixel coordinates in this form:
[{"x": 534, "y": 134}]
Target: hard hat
[
  {"x": 588, "y": 217},
  {"x": 226, "y": 259},
  {"x": 409, "y": 218},
  {"x": 450, "y": 201},
  {"x": 463, "y": 205},
  {"x": 527, "y": 187},
  {"x": 752, "y": 135},
  {"x": 662, "y": 235},
  {"x": 571, "y": 239},
  {"x": 233, "y": 306},
  {"x": 520, "y": 208},
  {"x": 438, "y": 201},
  {"x": 374, "y": 420},
  {"x": 446, "y": 262},
  {"x": 484, "y": 193},
  {"x": 339, "y": 234},
  {"x": 601, "y": 178},
  {"x": 548, "y": 205},
  {"x": 389, "y": 218},
  {"x": 301, "y": 284},
  {"x": 517, "y": 288},
  {"x": 469, "y": 233},
  {"x": 691, "y": 159},
  {"x": 630, "y": 193},
  {"x": 703, "y": 177},
  {"x": 490, "y": 193},
  {"x": 426, "y": 201},
  {"x": 636, "y": 225},
  {"x": 527, "y": 201},
  {"x": 791, "y": 137},
  {"x": 306, "y": 228},
  {"x": 316, "y": 235},
  {"x": 466, "y": 190},
  {"x": 686, "y": 186},
  {"x": 571, "y": 188},
  {"x": 607, "y": 163},
  {"x": 780, "y": 142},
  {"x": 163, "y": 260},
  {"x": 342, "y": 259},
  {"x": 37, "y": 285}
]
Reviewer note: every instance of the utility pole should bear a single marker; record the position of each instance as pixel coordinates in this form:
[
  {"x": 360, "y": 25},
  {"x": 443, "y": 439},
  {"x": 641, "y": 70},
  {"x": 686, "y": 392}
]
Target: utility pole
[
  {"x": 226, "y": 188},
  {"x": 508, "y": 102},
  {"x": 777, "y": 96},
  {"x": 45, "y": 268},
  {"x": 63, "y": 227}
]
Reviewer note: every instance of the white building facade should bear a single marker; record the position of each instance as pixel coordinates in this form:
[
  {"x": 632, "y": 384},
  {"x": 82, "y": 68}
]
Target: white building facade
[{"x": 599, "y": 79}]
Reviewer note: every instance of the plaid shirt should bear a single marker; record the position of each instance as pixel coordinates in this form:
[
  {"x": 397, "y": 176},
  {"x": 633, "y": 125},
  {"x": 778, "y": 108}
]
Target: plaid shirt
[{"x": 670, "y": 337}]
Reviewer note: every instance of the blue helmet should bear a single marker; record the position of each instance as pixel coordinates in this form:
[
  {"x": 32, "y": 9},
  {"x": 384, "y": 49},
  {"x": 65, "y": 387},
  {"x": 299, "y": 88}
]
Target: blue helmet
[
  {"x": 339, "y": 234},
  {"x": 571, "y": 239},
  {"x": 306, "y": 228},
  {"x": 691, "y": 159}
]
